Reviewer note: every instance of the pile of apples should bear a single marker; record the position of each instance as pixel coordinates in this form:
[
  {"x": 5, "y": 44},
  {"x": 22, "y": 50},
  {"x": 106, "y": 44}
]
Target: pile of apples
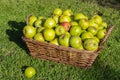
[{"x": 67, "y": 29}]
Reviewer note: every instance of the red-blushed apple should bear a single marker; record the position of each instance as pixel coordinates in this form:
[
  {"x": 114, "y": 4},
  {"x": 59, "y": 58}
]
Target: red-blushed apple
[
  {"x": 66, "y": 25},
  {"x": 29, "y": 31},
  {"x": 49, "y": 34}
]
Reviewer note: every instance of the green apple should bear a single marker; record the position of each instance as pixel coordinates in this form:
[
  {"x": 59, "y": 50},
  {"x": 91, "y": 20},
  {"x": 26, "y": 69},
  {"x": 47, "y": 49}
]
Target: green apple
[
  {"x": 101, "y": 33},
  {"x": 80, "y": 47},
  {"x": 73, "y": 23},
  {"x": 29, "y": 31},
  {"x": 68, "y": 12},
  {"x": 93, "y": 23},
  {"x": 40, "y": 29},
  {"x": 97, "y": 18},
  {"x": 79, "y": 16},
  {"x": 39, "y": 37},
  {"x": 31, "y": 20},
  {"x": 98, "y": 40},
  {"x": 86, "y": 35},
  {"x": 91, "y": 44},
  {"x": 59, "y": 30},
  {"x": 75, "y": 42},
  {"x": 55, "y": 41},
  {"x": 64, "y": 39},
  {"x": 84, "y": 24},
  {"x": 30, "y": 72},
  {"x": 41, "y": 18},
  {"x": 38, "y": 23},
  {"x": 56, "y": 18},
  {"x": 92, "y": 29},
  {"x": 57, "y": 11},
  {"x": 75, "y": 30},
  {"x": 50, "y": 23},
  {"x": 64, "y": 18},
  {"x": 104, "y": 24},
  {"x": 49, "y": 34}
]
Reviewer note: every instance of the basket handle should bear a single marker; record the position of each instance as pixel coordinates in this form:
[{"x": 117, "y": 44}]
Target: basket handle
[{"x": 109, "y": 30}]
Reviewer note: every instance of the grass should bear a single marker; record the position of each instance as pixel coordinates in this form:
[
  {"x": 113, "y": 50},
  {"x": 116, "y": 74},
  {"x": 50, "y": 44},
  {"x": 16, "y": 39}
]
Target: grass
[{"x": 14, "y": 55}]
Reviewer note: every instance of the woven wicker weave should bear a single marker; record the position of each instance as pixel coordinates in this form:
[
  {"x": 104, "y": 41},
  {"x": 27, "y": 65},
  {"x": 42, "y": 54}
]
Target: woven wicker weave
[{"x": 62, "y": 54}]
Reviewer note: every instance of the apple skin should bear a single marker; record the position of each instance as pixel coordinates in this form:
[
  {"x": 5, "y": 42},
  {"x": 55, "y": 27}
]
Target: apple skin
[
  {"x": 56, "y": 18},
  {"x": 31, "y": 20},
  {"x": 64, "y": 39},
  {"x": 40, "y": 29},
  {"x": 55, "y": 41},
  {"x": 29, "y": 31},
  {"x": 59, "y": 30},
  {"x": 64, "y": 18},
  {"x": 75, "y": 42},
  {"x": 91, "y": 44},
  {"x": 86, "y": 35},
  {"x": 39, "y": 37},
  {"x": 66, "y": 25},
  {"x": 75, "y": 30},
  {"x": 93, "y": 30},
  {"x": 73, "y": 23},
  {"x": 92, "y": 23},
  {"x": 57, "y": 11},
  {"x": 80, "y": 16},
  {"x": 68, "y": 12},
  {"x": 97, "y": 18},
  {"x": 101, "y": 33},
  {"x": 49, "y": 34},
  {"x": 84, "y": 24},
  {"x": 38, "y": 23},
  {"x": 30, "y": 72},
  {"x": 50, "y": 23}
]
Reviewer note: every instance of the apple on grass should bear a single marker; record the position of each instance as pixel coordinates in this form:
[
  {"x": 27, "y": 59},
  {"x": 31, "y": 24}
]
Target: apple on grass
[
  {"x": 29, "y": 31},
  {"x": 49, "y": 34},
  {"x": 30, "y": 72},
  {"x": 59, "y": 30},
  {"x": 66, "y": 25}
]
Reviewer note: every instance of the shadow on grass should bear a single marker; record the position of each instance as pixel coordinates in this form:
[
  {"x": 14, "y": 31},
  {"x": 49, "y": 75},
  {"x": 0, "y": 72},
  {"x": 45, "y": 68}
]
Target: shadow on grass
[
  {"x": 15, "y": 33},
  {"x": 103, "y": 71}
]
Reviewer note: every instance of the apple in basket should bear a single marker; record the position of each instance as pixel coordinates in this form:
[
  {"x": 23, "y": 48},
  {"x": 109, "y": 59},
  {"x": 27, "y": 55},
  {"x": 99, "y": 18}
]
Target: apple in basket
[{"x": 29, "y": 31}]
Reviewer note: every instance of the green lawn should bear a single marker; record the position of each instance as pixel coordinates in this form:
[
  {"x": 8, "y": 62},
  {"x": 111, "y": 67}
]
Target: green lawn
[{"x": 14, "y": 54}]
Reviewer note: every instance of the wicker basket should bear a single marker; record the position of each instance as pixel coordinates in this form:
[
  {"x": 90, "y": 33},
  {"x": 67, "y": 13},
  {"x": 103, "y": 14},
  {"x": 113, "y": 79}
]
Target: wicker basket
[{"x": 62, "y": 54}]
